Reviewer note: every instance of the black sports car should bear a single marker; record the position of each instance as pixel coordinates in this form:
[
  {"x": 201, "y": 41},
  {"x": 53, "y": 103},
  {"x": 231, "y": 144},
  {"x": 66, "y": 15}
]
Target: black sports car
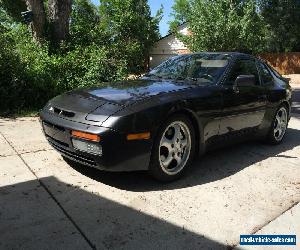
[{"x": 159, "y": 122}]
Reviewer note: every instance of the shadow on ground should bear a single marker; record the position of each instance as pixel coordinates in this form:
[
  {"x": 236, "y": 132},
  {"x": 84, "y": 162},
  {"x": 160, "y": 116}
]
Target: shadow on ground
[
  {"x": 26, "y": 222},
  {"x": 211, "y": 167}
]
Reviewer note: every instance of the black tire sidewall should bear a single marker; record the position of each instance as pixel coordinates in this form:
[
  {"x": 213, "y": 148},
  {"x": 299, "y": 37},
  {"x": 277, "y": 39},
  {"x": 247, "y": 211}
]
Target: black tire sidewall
[{"x": 154, "y": 167}]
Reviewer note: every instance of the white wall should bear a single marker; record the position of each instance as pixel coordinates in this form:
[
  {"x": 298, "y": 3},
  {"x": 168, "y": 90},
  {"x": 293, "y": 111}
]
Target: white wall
[{"x": 167, "y": 47}]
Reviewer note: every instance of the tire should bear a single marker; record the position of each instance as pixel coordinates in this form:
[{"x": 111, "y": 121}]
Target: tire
[
  {"x": 173, "y": 149},
  {"x": 279, "y": 126}
]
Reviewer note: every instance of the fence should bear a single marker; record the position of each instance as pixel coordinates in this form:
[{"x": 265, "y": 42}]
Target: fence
[{"x": 284, "y": 63}]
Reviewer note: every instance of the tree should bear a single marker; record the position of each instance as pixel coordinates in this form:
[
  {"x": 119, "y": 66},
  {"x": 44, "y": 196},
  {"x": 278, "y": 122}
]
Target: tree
[
  {"x": 39, "y": 19},
  {"x": 181, "y": 10},
  {"x": 133, "y": 30},
  {"x": 220, "y": 25},
  {"x": 283, "y": 24},
  {"x": 58, "y": 15},
  {"x": 85, "y": 25},
  {"x": 14, "y": 8},
  {"x": 51, "y": 23}
]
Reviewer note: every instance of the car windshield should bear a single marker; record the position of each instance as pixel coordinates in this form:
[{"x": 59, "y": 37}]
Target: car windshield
[{"x": 202, "y": 68}]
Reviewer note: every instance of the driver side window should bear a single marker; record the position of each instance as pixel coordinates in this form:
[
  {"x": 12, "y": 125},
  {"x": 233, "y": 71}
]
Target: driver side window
[{"x": 242, "y": 67}]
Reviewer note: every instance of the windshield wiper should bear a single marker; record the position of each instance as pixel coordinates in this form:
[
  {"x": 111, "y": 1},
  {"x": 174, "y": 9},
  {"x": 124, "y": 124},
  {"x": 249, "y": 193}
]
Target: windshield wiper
[{"x": 199, "y": 79}]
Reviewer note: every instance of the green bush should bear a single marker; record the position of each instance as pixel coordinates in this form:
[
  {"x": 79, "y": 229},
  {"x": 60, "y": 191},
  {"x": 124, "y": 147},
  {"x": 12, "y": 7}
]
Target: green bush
[
  {"x": 30, "y": 76},
  {"x": 105, "y": 43},
  {"x": 12, "y": 75}
]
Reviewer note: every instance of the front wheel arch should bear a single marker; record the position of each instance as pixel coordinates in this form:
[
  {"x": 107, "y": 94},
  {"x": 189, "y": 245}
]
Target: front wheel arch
[
  {"x": 198, "y": 128},
  {"x": 154, "y": 167}
]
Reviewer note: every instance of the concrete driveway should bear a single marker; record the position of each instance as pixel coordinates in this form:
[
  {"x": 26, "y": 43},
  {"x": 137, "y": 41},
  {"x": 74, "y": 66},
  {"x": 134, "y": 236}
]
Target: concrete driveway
[{"x": 47, "y": 204}]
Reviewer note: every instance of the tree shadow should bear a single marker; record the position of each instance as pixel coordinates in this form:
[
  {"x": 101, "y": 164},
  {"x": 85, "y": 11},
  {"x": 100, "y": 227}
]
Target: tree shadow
[
  {"x": 213, "y": 166},
  {"x": 36, "y": 221}
]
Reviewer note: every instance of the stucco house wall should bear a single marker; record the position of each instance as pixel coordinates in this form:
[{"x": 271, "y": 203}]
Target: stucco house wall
[{"x": 167, "y": 47}]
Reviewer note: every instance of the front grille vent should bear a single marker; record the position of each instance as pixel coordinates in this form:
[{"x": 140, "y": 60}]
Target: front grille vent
[
  {"x": 53, "y": 126},
  {"x": 62, "y": 112},
  {"x": 71, "y": 154}
]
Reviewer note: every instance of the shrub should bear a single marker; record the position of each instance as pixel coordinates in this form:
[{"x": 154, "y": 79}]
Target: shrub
[
  {"x": 12, "y": 74},
  {"x": 30, "y": 76}
]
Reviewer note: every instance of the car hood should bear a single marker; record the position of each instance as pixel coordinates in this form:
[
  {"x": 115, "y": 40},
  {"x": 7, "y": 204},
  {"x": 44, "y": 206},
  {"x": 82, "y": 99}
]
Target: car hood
[
  {"x": 128, "y": 92},
  {"x": 96, "y": 104}
]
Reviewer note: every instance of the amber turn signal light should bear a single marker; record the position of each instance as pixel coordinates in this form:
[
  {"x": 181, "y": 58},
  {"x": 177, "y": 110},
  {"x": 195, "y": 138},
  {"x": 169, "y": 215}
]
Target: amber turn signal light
[
  {"x": 140, "y": 136},
  {"x": 86, "y": 136}
]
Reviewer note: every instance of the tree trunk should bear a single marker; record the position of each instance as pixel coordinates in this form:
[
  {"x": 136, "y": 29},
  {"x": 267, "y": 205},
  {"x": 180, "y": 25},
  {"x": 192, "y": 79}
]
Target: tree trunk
[
  {"x": 59, "y": 14},
  {"x": 39, "y": 19}
]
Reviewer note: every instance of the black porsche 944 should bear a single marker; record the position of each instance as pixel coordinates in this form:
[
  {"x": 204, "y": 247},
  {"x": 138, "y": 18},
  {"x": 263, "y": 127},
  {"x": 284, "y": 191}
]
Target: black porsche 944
[{"x": 182, "y": 108}]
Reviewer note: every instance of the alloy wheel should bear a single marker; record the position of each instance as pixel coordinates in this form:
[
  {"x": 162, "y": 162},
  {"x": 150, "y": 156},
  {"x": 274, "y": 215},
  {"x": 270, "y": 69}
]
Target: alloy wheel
[
  {"x": 280, "y": 124},
  {"x": 175, "y": 148}
]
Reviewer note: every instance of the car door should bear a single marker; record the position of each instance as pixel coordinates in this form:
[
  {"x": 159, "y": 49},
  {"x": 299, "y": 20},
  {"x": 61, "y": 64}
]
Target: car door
[
  {"x": 206, "y": 99},
  {"x": 244, "y": 107}
]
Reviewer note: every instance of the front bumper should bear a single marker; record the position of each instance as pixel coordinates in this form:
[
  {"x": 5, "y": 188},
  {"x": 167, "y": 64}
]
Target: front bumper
[{"x": 118, "y": 154}]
